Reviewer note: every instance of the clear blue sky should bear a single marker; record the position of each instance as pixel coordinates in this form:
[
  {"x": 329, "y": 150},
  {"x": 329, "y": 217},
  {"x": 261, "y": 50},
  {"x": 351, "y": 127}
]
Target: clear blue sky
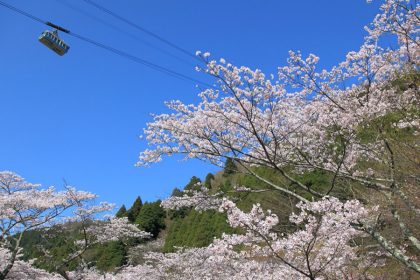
[{"x": 79, "y": 116}]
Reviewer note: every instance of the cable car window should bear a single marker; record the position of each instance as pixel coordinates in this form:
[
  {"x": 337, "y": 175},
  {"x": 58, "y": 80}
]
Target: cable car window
[{"x": 52, "y": 41}]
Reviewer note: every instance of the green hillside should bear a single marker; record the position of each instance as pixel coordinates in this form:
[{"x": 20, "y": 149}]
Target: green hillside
[
  {"x": 181, "y": 228},
  {"x": 190, "y": 228}
]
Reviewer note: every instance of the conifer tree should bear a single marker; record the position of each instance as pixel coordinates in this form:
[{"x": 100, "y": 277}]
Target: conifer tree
[
  {"x": 207, "y": 182},
  {"x": 122, "y": 212},
  {"x": 151, "y": 218},
  {"x": 176, "y": 192},
  {"x": 134, "y": 211},
  {"x": 193, "y": 184},
  {"x": 230, "y": 167}
]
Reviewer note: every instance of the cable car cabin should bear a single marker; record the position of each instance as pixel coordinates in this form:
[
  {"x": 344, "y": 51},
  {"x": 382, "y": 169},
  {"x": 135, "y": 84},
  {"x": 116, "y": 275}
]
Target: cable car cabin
[{"x": 53, "y": 42}]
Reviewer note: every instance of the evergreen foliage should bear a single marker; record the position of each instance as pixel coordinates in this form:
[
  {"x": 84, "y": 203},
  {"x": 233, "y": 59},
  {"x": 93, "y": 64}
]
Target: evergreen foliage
[
  {"x": 186, "y": 227},
  {"x": 193, "y": 184},
  {"x": 176, "y": 192},
  {"x": 230, "y": 167},
  {"x": 196, "y": 230},
  {"x": 111, "y": 256},
  {"x": 207, "y": 182},
  {"x": 122, "y": 212},
  {"x": 172, "y": 214},
  {"x": 189, "y": 228},
  {"x": 134, "y": 211},
  {"x": 60, "y": 243},
  {"x": 151, "y": 218}
]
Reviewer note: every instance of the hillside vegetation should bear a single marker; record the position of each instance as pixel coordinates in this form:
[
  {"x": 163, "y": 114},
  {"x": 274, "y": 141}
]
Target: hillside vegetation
[{"x": 185, "y": 227}]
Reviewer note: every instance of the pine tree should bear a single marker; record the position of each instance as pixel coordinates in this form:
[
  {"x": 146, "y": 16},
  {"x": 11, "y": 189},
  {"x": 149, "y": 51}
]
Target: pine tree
[
  {"x": 122, "y": 212},
  {"x": 193, "y": 184},
  {"x": 176, "y": 192},
  {"x": 134, "y": 211},
  {"x": 207, "y": 182},
  {"x": 230, "y": 167}
]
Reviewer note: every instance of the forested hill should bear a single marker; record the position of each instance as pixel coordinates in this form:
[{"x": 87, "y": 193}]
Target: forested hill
[{"x": 185, "y": 227}]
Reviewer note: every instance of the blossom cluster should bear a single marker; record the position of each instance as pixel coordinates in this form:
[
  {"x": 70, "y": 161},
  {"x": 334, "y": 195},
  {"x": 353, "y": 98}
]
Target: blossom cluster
[
  {"x": 25, "y": 206},
  {"x": 199, "y": 199}
]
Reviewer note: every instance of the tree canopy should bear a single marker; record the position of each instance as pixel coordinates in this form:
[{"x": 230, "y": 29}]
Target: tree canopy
[
  {"x": 135, "y": 209},
  {"x": 151, "y": 218},
  {"x": 122, "y": 212}
]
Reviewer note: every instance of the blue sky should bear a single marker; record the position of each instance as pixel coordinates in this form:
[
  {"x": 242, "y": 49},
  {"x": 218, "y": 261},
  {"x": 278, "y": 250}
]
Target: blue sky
[{"x": 79, "y": 116}]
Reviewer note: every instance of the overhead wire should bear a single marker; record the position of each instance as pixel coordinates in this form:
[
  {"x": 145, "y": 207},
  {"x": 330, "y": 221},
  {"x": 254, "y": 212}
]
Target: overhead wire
[
  {"x": 148, "y": 32},
  {"x": 122, "y": 31},
  {"x": 139, "y": 60},
  {"x": 129, "y": 56},
  {"x": 22, "y": 12}
]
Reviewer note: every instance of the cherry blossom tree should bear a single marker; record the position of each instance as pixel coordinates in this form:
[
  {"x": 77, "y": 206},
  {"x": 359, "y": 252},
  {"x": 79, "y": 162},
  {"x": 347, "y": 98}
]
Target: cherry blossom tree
[
  {"x": 315, "y": 251},
  {"x": 357, "y": 122},
  {"x": 25, "y": 206},
  {"x": 318, "y": 250},
  {"x": 22, "y": 270}
]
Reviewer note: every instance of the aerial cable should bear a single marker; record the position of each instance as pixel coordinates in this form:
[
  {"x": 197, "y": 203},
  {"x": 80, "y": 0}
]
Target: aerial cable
[
  {"x": 139, "y": 60},
  {"x": 108, "y": 48},
  {"x": 148, "y": 32},
  {"x": 22, "y": 12},
  {"x": 137, "y": 38}
]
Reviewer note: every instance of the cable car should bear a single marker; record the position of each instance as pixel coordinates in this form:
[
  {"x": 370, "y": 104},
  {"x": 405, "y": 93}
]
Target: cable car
[{"x": 51, "y": 40}]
